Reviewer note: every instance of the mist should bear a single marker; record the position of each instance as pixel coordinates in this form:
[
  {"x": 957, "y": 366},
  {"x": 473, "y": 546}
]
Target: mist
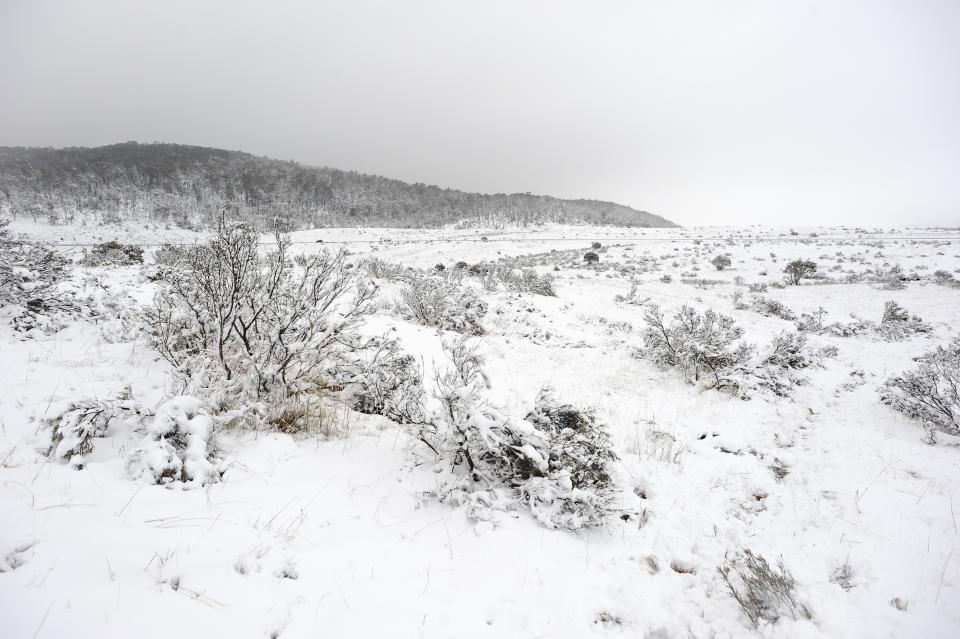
[{"x": 705, "y": 113}]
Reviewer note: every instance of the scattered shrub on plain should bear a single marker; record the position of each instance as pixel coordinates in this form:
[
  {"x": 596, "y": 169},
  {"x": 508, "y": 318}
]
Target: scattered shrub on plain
[
  {"x": 113, "y": 253},
  {"x": 930, "y": 392},
  {"x": 443, "y": 304},
  {"x": 763, "y": 593},
  {"x": 798, "y": 270}
]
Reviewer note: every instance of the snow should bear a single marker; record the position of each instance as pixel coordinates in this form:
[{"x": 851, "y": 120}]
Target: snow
[{"x": 307, "y": 537}]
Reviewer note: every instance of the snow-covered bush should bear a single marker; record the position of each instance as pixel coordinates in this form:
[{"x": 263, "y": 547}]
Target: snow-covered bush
[
  {"x": 697, "y": 344},
  {"x": 799, "y": 269},
  {"x": 930, "y": 392},
  {"x": 166, "y": 258},
  {"x": 721, "y": 261},
  {"x": 178, "y": 446},
  {"x": 257, "y": 333},
  {"x": 511, "y": 273},
  {"x": 632, "y": 297},
  {"x": 776, "y": 370},
  {"x": 556, "y": 461},
  {"x": 945, "y": 278},
  {"x": 381, "y": 269},
  {"x": 389, "y": 383},
  {"x": 791, "y": 351},
  {"x": 896, "y": 324},
  {"x": 171, "y": 254},
  {"x": 579, "y": 454},
  {"x": 111, "y": 307},
  {"x": 434, "y": 301},
  {"x": 113, "y": 253},
  {"x": 75, "y": 428},
  {"x": 29, "y": 273},
  {"x": 528, "y": 281},
  {"x": 770, "y": 308},
  {"x": 763, "y": 593}
]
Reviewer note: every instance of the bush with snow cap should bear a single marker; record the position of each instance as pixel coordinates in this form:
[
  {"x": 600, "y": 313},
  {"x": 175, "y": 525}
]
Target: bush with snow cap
[
  {"x": 556, "y": 462},
  {"x": 389, "y": 383},
  {"x": 29, "y": 277},
  {"x": 74, "y": 429},
  {"x": 29, "y": 272},
  {"x": 701, "y": 345},
  {"x": 442, "y": 303},
  {"x": 178, "y": 446}
]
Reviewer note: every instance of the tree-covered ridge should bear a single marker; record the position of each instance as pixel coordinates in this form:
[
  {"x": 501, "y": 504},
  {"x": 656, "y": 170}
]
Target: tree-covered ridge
[{"x": 190, "y": 185}]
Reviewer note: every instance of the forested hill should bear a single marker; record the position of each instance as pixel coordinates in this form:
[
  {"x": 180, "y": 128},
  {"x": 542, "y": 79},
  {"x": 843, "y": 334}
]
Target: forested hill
[{"x": 189, "y": 185}]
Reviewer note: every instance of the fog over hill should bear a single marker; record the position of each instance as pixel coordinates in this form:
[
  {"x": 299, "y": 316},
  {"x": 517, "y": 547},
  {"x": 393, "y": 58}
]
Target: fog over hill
[{"x": 188, "y": 186}]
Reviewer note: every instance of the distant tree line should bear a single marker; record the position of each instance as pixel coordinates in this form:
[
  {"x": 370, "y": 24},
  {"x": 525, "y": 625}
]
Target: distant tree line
[{"x": 189, "y": 186}]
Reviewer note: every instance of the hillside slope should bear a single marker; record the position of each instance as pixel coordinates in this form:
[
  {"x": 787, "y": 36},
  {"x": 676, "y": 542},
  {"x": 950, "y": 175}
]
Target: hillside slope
[{"x": 189, "y": 185}]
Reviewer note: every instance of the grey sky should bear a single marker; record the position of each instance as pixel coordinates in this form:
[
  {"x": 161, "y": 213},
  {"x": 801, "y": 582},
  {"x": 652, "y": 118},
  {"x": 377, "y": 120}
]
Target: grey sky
[{"x": 706, "y": 112}]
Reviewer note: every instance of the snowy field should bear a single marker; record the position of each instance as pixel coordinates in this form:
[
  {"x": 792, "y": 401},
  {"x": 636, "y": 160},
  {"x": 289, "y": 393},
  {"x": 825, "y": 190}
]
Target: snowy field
[{"x": 339, "y": 534}]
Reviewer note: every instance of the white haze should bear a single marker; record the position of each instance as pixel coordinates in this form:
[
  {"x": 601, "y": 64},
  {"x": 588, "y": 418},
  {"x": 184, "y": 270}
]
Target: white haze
[{"x": 704, "y": 112}]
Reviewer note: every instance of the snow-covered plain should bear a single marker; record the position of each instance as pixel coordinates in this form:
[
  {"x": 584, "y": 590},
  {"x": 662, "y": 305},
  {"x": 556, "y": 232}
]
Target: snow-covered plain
[{"x": 310, "y": 537}]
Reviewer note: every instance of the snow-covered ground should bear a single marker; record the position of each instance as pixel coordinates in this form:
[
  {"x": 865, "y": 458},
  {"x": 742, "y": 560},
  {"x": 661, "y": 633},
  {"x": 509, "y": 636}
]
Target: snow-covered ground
[{"x": 311, "y": 537}]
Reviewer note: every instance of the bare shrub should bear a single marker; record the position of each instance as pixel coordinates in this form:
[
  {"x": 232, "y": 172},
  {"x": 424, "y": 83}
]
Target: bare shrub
[
  {"x": 252, "y": 333},
  {"x": 929, "y": 393},
  {"x": 843, "y": 575},
  {"x": 632, "y": 297},
  {"x": 764, "y": 593}
]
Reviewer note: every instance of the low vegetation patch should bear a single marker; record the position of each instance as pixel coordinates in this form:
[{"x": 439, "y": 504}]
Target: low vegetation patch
[
  {"x": 556, "y": 461},
  {"x": 764, "y": 593},
  {"x": 930, "y": 393}
]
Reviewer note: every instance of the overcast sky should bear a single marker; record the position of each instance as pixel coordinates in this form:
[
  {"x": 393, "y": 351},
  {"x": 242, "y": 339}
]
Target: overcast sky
[{"x": 708, "y": 112}]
